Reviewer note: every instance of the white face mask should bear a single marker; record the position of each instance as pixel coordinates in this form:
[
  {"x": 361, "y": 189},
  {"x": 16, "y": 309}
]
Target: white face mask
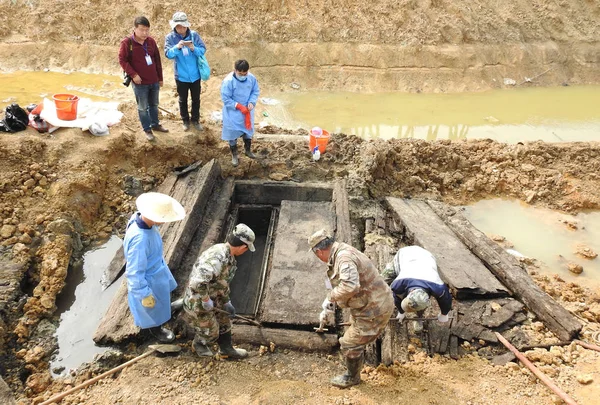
[{"x": 241, "y": 78}]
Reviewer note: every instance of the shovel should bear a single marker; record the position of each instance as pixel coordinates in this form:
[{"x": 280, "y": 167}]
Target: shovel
[{"x": 153, "y": 348}]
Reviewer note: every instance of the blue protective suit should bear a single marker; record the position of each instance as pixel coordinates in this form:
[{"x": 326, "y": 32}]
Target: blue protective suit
[
  {"x": 235, "y": 91},
  {"x": 186, "y": 66},
  {"x": 147, "y": 274}
]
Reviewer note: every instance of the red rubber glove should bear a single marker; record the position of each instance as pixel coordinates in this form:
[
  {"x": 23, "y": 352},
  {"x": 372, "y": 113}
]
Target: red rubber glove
[
  {"x": 246, "y": 112},
  {"x": 243, "y": 110}
]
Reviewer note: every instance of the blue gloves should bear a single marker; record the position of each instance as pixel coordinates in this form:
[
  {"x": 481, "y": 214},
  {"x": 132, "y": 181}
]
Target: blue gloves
[{"x": 229, "y": 308}]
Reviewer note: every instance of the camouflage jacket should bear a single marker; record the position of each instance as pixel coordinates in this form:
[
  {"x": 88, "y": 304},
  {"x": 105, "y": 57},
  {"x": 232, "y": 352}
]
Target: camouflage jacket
[
  {"x": 210, "y": 277},
  {"x": 356, "y": 282}
]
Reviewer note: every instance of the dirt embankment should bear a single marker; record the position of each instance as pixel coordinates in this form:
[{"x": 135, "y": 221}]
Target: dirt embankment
[{"x": 409, "y": 45}]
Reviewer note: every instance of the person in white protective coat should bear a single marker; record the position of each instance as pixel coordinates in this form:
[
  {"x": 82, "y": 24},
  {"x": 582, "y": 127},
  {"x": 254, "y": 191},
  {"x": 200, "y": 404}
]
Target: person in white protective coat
[
  {"x": 413, "y": 277},
  {"x": 149, "y": 280}
]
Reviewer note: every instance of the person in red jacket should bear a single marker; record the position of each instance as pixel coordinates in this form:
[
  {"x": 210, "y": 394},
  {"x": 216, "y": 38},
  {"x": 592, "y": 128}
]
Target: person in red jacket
[{"x": 140, "y": 59}]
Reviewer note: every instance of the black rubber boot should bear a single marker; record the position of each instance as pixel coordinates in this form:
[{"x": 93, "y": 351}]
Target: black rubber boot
[
  {"x": 201, "y": 348},
  {"x": 227, "y": 351},
  {"x": 352, "y": 376},
  {"x": 247, "y": 147},
  {"x": 163, "y": 335},
  {"x": 234, "y": 155}
]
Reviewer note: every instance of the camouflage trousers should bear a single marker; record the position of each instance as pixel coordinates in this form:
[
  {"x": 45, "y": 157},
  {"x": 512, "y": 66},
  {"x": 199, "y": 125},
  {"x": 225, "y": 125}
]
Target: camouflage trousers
[
  {"x": 362, "y": 331},
  {"x": 208, "y": 325}
]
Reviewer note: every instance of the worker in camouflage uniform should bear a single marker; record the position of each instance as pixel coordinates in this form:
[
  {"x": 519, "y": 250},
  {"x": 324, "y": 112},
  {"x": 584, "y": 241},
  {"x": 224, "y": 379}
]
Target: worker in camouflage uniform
[
  {"x": 357, "y": 285},
  {"x": 208, "y": 289}
]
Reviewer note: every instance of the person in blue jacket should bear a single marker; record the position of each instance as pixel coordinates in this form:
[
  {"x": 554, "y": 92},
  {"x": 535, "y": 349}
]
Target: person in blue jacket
[
  {"x": 239, "y": 92},
  {"x": 414, "y": 277},
  {"x": 184, "y": 46},
  {"x": 149, "y": 280}
]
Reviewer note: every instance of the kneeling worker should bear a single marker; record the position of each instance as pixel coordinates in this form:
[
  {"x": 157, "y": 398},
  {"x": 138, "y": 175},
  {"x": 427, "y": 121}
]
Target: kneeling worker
[
  {"x": 358, "y": 286},
  {"x": 208, "y": 289},
  {"x": 414, "y": 278}
]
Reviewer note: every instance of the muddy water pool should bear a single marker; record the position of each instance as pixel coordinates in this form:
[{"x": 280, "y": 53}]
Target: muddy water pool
[
  {"x": 26, "y": 88},
  {"x": 81, "y": 305},
  {"x": 555, "y": 114},
  {"x": 542, "y": 234}
]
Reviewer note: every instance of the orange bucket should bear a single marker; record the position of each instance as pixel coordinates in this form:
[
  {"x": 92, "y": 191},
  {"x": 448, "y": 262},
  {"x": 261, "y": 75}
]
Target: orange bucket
[
  {"x": 66, "y": 106},
  {"x": 320, "y": 140}
]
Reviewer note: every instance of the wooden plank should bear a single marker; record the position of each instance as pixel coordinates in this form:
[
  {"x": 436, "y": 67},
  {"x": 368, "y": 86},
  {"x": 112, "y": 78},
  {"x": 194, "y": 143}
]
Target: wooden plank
[
  {"x": 284, "y": 338},
  {"x": 296, "y": 285},
  {"x": 192, "y": 192},
  {"x": 215, "y": 233},
  {"x": 117, "y": 264},
  {"x": 464, "y": 273},
  {"x": 394, "y": 344},
  {"x": 453, "y": 347},
  {"x": 193, "y": 195},
  {"x": 508, "y": 270},
  {"x": 343, "y": 230},
  {"x": 445, "y": 335},
  {"x": 261, "y": 192}
]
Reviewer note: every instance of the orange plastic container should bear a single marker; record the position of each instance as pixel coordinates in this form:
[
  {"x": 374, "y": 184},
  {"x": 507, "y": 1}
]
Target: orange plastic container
[
  {"x": 66, "y": 106},
  {"x": 321, "y": 140}
]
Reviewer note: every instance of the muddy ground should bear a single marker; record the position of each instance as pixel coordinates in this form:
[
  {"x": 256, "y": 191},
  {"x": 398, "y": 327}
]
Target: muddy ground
[{"x": 64, "y": 193}]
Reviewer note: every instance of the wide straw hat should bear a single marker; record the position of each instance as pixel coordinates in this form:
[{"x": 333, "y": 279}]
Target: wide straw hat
[{"x": 159, "y": 207}]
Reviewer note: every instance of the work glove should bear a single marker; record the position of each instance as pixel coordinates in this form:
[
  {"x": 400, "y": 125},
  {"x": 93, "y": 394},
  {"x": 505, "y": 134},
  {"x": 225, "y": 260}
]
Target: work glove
[
  {"x": 243, "y": 109},
  {"x": 229, "y": 308},
  {"x": 400, "y": 317},
  {"x": 442, "y": 318},
  {"x": 208, "y": 305},
  {"x": 328, "y": 305},
  {"x": 149, "y": 301},
  {"x": 324, "y": 316},
  {"x": 246, "y": 112}
]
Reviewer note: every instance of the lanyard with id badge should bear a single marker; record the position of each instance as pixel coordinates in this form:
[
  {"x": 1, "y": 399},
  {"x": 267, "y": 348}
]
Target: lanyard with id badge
[{"x": 147, "y": 57}]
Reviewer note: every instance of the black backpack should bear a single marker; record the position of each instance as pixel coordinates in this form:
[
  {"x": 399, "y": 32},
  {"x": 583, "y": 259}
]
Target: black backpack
[{"x": 15, "y": 119}]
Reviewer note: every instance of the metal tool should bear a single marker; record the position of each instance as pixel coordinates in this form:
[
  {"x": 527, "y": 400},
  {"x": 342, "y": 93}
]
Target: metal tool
[
  {"x": 153, "y": 348},
  {"x": 243, "y": 318}
]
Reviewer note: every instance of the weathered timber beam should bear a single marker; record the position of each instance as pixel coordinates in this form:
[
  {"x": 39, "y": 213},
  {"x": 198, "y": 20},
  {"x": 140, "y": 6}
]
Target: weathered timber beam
[
  {"x": 284, "y": 338},
  {"x": 343, "y": 232},
  {"x": 507, "y": 269},
  {"x": 273, "y": 192}
]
